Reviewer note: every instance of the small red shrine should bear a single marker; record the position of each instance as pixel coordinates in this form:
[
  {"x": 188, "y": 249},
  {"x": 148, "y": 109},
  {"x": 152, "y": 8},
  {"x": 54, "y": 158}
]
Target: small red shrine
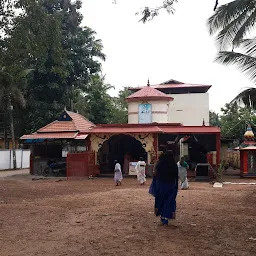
[{"x": 248, "y": 154}]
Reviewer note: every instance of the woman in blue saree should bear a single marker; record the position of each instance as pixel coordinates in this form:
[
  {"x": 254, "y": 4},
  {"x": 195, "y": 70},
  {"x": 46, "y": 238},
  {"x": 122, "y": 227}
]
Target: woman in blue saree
[{"x": 165, "y": 187}]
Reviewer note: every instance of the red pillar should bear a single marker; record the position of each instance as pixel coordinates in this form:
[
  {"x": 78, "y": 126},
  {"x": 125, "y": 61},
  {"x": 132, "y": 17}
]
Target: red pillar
[
  {"x": 245, "y": 162},
  {"x": 217, "y": 149}
]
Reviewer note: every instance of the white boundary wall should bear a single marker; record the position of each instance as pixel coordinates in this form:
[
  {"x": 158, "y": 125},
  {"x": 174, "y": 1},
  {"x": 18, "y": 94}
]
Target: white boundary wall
[{"x": 22, "y": 159}]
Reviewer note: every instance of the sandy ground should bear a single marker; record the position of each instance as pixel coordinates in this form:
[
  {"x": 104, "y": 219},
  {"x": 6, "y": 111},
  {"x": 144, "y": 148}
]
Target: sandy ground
[
  {"x": 93, "y": 217},
  {"x": 10, "y": 173}
]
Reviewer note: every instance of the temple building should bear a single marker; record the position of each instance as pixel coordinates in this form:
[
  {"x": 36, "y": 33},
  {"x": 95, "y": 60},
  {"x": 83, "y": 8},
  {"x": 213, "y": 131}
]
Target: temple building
[
  {"x": 248, "y": 154},
  {"x": 174, "y": 102},
  {"x": 169, "y": 116}
]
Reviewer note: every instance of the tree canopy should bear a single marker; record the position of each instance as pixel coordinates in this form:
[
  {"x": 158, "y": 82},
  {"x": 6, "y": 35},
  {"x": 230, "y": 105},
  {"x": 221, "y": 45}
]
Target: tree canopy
[
  {"x": 233, "y": 120},
  {"x": 46, "y": 36}
]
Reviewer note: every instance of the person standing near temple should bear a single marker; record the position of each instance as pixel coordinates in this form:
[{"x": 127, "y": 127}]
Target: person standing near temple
[
  {"x": 183, "y": 173},
  {"x": 118, "y": 176},
  {"x": 141, "y": 171},
  {"x": 166, "y": 187}
]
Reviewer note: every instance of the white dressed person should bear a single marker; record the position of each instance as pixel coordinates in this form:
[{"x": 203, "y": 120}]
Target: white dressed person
[
  {"x": 140, "y": 170},
  {"x": 118, "y": 173},
  {"x": 183, "y": 173}
]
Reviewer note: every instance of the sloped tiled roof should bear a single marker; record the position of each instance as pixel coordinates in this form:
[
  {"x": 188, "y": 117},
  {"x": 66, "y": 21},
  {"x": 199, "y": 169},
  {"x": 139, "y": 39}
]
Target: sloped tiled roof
[
  {"x": 149, "y": 93},
  {"x": 77, "y": 123},
  {"x": 59, "y": 126},
  {"x": 67, "y": 126},
  {"x": 174, "y": 84},
  {"x": 81, "y": 123}
]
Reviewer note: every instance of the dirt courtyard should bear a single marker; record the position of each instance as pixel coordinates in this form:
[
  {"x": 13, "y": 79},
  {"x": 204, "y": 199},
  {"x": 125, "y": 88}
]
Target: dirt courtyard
[{"x": 93, "y": 217}]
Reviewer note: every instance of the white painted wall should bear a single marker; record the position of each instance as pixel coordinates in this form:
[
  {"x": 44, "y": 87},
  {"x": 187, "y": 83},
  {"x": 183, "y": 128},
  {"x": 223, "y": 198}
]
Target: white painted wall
[
  {"x": 189, "y": 109},
  {"x": 22, "y": 158},
  {"x": 157, "y": 106}
]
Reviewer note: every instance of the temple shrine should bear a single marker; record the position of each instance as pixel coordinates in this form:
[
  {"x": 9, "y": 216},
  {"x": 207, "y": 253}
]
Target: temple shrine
[
  {"x": 171, "y": 115},
  {"x": 248, "y": 154}
]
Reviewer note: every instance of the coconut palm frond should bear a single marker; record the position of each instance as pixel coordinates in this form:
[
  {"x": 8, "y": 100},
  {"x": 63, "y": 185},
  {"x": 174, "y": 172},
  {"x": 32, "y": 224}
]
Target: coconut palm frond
[
  {"x": 248, "y": 97},
  {"x": 246, "y": 63},
  {"x": 225, "y": 38},
  {"x": 226, "y": 13},
  {"x": 248, "y": 25},
  {"x": 249, "y": 46},
  {"x": 232, "y": 18}
]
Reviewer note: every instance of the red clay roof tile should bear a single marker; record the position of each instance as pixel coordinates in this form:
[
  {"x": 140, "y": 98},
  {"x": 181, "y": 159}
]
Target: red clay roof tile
[
  {"x": 63, "y": 129},
  {"x": 150, "y": 93},
  {"x": 78, "y": 123}
]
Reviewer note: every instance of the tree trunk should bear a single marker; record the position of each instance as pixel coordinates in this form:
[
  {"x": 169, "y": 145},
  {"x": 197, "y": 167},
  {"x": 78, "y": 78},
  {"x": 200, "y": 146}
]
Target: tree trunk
[
  {"x": 12, "y": 133},
  {"x": 6, "y": 143}
]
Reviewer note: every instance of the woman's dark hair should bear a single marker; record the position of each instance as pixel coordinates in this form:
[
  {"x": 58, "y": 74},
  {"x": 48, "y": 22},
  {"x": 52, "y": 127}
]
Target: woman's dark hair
[
  {"x": 166, "y": 168},
  {"x": 141, "y": 159}
]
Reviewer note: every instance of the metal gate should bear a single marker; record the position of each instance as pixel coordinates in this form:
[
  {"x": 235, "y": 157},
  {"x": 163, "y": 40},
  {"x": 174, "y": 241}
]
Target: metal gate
[{"x": 80, "y": 165}]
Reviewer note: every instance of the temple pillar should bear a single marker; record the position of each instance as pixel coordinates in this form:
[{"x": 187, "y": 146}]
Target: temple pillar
[{"x": 218, "y": 146}]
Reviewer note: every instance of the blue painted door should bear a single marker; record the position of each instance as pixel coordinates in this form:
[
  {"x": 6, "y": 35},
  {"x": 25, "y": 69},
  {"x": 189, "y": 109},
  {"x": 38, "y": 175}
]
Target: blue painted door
[{"x": 145, "y": 113}]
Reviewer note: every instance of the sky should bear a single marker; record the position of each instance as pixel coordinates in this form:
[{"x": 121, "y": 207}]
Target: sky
[{"x": 169, "y": 47}]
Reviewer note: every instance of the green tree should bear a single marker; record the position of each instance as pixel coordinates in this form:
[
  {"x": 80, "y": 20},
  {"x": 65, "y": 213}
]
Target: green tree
[
  {"x": 120, "y": 107},
  {"x": 6, "y": 15},
  {"x": 234, "y": 120},
  {"x": 214, "y": 119},
  {"x": 96, "y": 105},
  {"x": 47, "y": 36}
]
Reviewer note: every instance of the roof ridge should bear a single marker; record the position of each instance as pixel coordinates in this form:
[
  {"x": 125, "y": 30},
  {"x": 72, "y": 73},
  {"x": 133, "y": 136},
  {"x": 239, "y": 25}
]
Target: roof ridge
[{"x": 78, "y": 114}]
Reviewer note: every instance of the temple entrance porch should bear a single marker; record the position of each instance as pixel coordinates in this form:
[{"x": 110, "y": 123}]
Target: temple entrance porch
[{"x": 124, "y": 149}]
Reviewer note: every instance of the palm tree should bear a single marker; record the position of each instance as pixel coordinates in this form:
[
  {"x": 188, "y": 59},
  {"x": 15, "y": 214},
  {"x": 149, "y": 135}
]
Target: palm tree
[
  {"x": 232, "y": 23},
  {"x": 10, "y": 94},
  {"x": 245, "y": 60}
]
